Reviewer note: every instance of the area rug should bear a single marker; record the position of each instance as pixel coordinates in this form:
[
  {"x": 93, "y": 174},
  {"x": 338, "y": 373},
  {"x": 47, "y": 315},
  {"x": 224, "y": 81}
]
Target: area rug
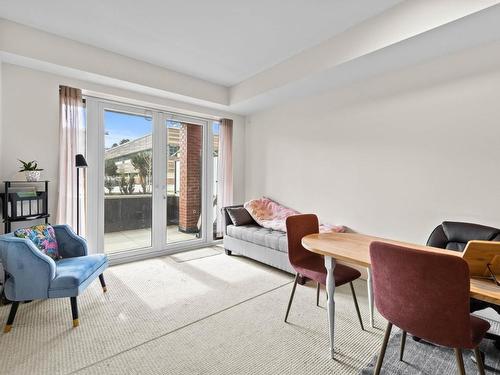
[
  {"x": 421, "y": 358},
  {"x": 200, "y": 313},
  {"x": 187, "y": 256},
  {"x": 144, "y": 300}
]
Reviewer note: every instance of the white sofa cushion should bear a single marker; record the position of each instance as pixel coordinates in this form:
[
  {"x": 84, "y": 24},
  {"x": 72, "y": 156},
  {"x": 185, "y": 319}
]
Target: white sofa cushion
[{"x": 256, "y": 234}]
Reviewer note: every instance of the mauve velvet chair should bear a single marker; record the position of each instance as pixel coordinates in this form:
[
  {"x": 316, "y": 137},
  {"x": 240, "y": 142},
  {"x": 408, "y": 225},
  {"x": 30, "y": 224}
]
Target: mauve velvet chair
[
  {"x": 311, "y": 265},
  {"x": 425, "y": 294}
]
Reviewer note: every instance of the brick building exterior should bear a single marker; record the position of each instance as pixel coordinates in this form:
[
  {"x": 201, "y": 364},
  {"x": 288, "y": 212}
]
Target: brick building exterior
[{"x": 191, "y": 146}]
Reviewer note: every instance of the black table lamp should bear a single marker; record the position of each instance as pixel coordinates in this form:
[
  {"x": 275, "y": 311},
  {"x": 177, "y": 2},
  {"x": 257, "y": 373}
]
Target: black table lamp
[{"x": 80, "y": 162}]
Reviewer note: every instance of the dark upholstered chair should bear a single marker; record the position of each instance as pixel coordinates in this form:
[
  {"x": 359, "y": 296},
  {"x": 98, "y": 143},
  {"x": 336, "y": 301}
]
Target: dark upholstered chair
[
  {"x": 454, "y": 235},
  {"x": 425, "y": 294},
  {"x": 310, "y": 265}
]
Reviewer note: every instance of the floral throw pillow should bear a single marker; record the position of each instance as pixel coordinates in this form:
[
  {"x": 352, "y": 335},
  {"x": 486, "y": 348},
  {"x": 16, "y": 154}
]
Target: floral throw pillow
[{"x": 44, "y": 238}]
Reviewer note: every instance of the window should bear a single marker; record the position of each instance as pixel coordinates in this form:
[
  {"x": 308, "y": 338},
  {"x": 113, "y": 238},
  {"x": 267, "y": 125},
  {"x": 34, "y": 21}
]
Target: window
[{"x": 155, "y": 189}]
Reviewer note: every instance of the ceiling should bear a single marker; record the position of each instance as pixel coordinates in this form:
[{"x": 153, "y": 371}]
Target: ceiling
[{"x": 222, "y": 41}]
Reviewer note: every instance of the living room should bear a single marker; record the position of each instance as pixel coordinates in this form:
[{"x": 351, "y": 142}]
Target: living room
[{"x": 173, "y": 150}]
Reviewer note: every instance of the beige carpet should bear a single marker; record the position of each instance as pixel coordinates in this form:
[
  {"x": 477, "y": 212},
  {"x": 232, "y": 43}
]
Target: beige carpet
[{"x": 197, "y": 313}]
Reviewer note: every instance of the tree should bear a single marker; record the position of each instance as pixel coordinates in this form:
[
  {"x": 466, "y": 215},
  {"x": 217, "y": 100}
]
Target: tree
[
  {"x": 110, "y": 173},
  {"x": 124, "y": 140},
  {"x": 143, "y": 164},
  {"x": 126, "y": 185},
  {"x": 110, "y": 168},
  {"x": 109, "y": 183}
]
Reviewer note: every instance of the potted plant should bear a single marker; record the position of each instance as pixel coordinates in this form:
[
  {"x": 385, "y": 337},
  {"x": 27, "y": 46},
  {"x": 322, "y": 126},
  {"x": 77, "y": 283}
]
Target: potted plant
[{"x": 31, "y": 170}]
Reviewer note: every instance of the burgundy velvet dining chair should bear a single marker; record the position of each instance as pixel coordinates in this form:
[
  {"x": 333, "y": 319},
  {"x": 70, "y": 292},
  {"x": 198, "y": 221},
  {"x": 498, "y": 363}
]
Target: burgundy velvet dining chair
[
  {"x": 311, "y": 265},
  {"x": 427, "y": 295}
]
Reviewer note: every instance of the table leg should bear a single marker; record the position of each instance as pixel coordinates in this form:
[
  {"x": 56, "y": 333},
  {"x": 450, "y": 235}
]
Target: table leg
[
  {"x": 330, "y": 290},
  {"x": 370, "y": 295}
]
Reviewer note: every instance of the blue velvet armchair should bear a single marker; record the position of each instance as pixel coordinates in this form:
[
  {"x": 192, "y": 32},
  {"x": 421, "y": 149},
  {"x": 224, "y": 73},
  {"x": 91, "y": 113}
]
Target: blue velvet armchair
[{"x": 33, "y": 275}]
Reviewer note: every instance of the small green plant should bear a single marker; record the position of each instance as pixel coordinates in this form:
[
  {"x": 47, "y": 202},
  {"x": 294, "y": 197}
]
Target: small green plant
[{"x": 29, "y": 166}]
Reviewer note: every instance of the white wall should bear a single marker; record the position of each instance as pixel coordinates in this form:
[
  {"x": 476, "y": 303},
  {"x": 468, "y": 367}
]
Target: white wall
[
  {"x": 384, "y": 160},
  {"x": 30, "y": 116}
]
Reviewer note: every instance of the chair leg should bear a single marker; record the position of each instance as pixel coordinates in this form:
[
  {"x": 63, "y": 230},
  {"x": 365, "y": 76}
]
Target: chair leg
[
  {"x": 291, "y": 296},
  {"x": 356, "y": 305},
  {"x": 460, "y": 361},
  {"x": 402, "y": 348},
  {"x": 302, "y": 280},
  {"x": 381, "y": 356},
  {"x": 103, "y": 283},
  {"x": 479, "y": 360},
  {"x": 12, "y": 315},
  {"x": 317, "y": 294},
  {"x": 74, "y": 312}
]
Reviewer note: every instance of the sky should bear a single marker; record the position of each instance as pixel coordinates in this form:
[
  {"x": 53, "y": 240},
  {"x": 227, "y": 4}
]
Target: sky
[{"x": 120, "y": 126}]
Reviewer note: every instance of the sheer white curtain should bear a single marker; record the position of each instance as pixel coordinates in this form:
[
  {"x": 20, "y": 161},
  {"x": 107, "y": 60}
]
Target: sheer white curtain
[
  {"x": 224, "y": 171},
  {"x": 71, "y": 138}
]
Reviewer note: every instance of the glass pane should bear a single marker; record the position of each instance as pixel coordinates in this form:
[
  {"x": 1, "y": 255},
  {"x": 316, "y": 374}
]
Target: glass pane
[
  {"x": 127, "y": 181},
  {"x": 184, "y": 180}
]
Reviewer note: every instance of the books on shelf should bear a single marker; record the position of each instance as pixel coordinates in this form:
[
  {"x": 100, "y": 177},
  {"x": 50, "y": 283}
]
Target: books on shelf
[
  {"x": 23, "y": 191},
  {"x": 27, "y": 204},
  {"x": 24, "y": 201}
]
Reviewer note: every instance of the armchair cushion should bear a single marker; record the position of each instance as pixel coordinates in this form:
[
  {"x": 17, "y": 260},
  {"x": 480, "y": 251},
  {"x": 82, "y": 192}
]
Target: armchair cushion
[
  {"x": 70, "y": 244},
  {"x": 43, "y": 237},
  {"x": 73, "y": 272}
]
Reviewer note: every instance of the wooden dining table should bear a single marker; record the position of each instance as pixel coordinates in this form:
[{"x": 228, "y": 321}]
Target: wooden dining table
[{"x": 354, "y": 249}]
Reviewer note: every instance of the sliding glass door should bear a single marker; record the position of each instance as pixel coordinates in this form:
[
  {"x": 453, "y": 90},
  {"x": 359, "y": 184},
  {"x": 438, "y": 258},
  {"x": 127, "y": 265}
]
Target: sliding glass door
[
  {"x": 184, "y": 180},
  {"x": 128, "y": 178},
  {"x": 150, "y": 189}
]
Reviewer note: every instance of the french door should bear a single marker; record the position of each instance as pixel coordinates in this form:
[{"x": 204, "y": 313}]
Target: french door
[{"x": 148, "y": 179}]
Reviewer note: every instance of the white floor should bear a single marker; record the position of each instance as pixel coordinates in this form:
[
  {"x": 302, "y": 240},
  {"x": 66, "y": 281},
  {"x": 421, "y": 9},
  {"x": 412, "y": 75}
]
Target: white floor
[{"x": 140, "y": 238}]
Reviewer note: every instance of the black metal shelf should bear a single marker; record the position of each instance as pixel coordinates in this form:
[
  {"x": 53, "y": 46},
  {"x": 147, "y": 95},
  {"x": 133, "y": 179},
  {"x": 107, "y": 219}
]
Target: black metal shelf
[
  {"x": 17, "y": 208},
  {"x": 26, "y": 218}
]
